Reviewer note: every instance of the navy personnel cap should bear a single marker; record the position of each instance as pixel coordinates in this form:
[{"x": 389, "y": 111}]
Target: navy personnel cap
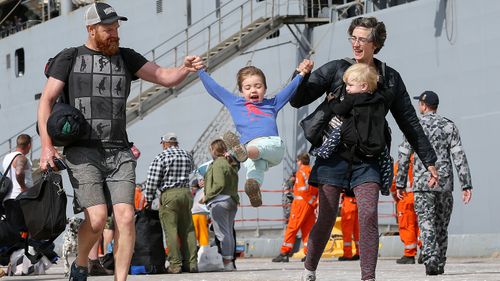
[{"x": 429, "y": 98}]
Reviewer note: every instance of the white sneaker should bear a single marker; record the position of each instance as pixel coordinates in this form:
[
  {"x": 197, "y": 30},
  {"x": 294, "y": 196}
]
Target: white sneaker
[
  {"x": 308, "y": 275},
  {"x": 229, "y": 267}
]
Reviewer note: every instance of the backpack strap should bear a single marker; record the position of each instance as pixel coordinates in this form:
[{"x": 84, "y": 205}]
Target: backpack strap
[
  {"x": 336, "y": 90},
  {"x": 349, "y": 60},
  {"x": 382, "y": 68},
  {"x": 65, "y": 96}
]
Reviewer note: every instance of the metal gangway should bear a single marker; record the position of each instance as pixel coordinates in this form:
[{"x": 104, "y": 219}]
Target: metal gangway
[{"x": 219, "y": 36}]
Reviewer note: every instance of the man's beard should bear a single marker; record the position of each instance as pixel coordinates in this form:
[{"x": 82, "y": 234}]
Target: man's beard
[{"x": 108, "y": 46}]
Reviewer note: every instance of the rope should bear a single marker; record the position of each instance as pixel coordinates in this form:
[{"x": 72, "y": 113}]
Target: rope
[{"x": 11, "y": 11}]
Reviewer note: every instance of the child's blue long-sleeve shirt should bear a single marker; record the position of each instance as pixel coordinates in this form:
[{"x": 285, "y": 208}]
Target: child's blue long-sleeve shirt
[{"x": 252, "y": 120}]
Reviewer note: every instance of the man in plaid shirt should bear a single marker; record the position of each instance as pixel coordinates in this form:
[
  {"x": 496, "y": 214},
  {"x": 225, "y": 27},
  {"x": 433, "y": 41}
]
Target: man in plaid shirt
[{"x": 169, "y": 173}]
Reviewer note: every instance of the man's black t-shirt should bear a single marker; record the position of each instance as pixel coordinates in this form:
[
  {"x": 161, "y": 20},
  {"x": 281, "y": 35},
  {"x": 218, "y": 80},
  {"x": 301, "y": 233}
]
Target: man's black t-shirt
[{"x": 99, "y": 86}]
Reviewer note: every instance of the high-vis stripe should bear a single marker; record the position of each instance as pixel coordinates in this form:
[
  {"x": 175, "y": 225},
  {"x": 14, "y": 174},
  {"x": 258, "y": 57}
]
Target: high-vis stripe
[{"x": 411, "y": 246}]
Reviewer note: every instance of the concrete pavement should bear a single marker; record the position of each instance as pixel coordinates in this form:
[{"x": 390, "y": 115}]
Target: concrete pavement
[{"x": 262, "y": 269}]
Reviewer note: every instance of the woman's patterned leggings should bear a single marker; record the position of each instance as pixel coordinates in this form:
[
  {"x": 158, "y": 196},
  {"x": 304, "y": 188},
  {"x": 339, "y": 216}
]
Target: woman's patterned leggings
[{"x": 367, "y": 200}]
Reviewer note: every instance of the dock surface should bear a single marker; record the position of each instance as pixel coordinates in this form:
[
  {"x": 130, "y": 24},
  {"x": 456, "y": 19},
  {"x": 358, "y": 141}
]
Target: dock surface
[{"x": 260, "y": 269}]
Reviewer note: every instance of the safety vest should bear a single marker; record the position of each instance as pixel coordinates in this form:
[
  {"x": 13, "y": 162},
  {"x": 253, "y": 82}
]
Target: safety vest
[{"x": 302, "y": 190}]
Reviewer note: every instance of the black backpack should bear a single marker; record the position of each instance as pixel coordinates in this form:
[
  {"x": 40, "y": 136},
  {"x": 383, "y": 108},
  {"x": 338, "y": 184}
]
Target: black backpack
[
  {"x": 149, "y": 253},
  {"x": 66, "y": 124}
]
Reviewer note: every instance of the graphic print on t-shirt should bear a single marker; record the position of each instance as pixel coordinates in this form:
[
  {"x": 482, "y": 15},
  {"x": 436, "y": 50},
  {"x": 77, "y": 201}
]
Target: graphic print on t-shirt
[
  {"x": 82, "y": 85},
  {"x": 118, "y": 86},
  {"x": 254, "y": 111},
  {"x": 101, "y": 128},
  {"x": 100, "y": 86},
  {"x": 83, "y": 64},
  {"x": 117, "y": 65},
  {"x": 101, "y": 64},
  {"x": 83, "y": 104}
]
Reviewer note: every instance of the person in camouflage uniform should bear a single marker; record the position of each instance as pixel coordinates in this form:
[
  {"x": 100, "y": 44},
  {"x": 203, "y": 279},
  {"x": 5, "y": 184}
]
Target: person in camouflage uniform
[
  {"x": 287, "y": 196},
  {"x": 434, "y": 205}
]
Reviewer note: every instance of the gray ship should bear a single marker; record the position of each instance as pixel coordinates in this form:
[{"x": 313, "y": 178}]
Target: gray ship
[{"x": 447, "y": 46}]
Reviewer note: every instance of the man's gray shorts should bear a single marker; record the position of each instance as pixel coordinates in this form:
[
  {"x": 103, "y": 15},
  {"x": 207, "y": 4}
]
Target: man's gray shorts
[{"x": 101, "y": 176}]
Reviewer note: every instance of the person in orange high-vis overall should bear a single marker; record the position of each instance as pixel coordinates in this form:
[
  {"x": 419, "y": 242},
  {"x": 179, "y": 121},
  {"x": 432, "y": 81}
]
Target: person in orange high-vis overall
[
  {"x": 350, "y": 226},
  {"x": 139, "y": 198},
  {"x": 302, "y": 216},
  {"x": 407, "y": 218}
]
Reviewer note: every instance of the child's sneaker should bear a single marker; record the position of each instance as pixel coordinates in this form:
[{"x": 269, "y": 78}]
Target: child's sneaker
[
  {"x": 234, "y": 146},
  {"x": 252, "y": 189}
]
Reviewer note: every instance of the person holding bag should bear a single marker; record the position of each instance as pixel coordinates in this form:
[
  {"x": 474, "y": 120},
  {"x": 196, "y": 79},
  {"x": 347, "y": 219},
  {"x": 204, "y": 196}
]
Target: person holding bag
[{"x": 17, "y": 167}]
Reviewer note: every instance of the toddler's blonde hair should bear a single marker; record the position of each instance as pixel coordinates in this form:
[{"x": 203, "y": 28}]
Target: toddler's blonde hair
[{"x": 362, "y": 73}]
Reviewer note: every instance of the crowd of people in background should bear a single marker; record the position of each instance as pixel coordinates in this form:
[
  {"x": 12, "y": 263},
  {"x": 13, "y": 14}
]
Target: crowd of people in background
[{"x": 9, "y": 27}]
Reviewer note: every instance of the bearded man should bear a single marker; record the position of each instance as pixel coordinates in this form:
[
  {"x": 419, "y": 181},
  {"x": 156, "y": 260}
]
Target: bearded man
[{"x": 101, "y": 166}]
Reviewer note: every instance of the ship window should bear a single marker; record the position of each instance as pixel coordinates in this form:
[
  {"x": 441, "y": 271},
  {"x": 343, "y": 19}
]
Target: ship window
[
  {"x": 159, "y": 6},
  {"x": 7, "y": 60},
  {"x": 19, "y": 62}
]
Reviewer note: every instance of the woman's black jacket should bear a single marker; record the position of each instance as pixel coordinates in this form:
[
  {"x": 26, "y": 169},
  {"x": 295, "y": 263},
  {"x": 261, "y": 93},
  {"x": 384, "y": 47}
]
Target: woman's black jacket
[{"x": 329, "y": 76}]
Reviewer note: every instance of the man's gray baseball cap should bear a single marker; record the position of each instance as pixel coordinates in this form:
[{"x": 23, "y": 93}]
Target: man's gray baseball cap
[{"x": 101, "y": 13}]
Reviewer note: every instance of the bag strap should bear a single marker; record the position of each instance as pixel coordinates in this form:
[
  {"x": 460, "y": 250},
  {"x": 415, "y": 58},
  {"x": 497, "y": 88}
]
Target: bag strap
[{"x": 8, "y": 168}]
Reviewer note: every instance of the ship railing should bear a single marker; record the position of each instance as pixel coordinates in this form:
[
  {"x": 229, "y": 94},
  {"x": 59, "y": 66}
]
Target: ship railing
[
  {"x": 9, "y": 144},
  {"x": 204, "y": 34},
  {"x": 261, "y": 218},
  {"x": 214, "y": 28},
  {"x": 354, "y": 8},
  {"x": 213, "y": 34}
]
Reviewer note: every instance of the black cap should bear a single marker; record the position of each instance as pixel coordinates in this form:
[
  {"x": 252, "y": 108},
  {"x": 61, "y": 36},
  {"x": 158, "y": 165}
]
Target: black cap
[
  {"x": 429, "y": 98},
  {"x": 101, "y": 13}
]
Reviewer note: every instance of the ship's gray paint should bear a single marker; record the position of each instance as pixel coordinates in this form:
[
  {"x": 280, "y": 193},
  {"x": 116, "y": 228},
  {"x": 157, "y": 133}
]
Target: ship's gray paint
[{"x": 449, "y": 49}]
